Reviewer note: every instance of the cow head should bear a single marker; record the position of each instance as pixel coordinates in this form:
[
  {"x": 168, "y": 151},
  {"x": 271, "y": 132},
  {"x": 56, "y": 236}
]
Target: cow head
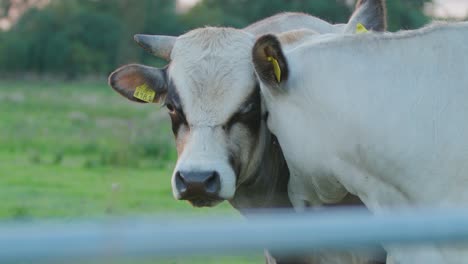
[{"x": 211, "y": 94}]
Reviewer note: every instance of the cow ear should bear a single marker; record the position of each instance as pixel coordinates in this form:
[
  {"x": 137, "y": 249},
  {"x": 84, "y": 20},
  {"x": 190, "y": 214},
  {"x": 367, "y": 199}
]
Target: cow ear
[
  {"x": 372, "y": 14},
  {"x": 140, "y": 83},
  {"x": 269, "y": 60}
]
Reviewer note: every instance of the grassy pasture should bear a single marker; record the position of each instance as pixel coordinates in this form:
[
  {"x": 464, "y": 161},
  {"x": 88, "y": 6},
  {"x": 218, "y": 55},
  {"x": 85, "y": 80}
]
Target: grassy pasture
[{"x": 77, "y": 150}]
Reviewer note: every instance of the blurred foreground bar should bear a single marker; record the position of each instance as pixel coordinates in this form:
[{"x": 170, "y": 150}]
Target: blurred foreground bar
[{"x": 155, "y": 237}]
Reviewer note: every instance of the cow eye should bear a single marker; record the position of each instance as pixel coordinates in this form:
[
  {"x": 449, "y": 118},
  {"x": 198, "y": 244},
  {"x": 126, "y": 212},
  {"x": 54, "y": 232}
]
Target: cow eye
[
  {"x": 170, "y": 107},
  {"x": 247, "y": 109}
]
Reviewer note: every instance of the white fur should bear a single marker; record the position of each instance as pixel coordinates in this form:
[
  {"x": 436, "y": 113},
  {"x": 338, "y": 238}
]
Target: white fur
[
  {"x": 204, "y": 151},
  {"x": 385, "y": 117}
]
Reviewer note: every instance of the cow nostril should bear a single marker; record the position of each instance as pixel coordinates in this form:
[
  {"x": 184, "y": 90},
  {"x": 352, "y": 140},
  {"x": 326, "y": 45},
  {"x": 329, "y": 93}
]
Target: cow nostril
[
  {"x": 180, "y": 182},
  {"x": 212, "y": 183},
  {"x": 197, "y": 184}
]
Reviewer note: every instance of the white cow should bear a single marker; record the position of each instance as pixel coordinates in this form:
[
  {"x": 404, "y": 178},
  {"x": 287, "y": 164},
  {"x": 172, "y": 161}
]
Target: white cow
[
  {"x": 212, "y": 95},
  {"x": 381, "y": 115}
]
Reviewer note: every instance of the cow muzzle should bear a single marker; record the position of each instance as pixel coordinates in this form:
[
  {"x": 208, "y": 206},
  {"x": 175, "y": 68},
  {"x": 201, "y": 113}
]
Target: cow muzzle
[{"x": 201, "y": 188}]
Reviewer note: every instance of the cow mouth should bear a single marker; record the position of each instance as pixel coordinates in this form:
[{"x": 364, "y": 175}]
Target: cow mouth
[{"x": 204, "y": 202}]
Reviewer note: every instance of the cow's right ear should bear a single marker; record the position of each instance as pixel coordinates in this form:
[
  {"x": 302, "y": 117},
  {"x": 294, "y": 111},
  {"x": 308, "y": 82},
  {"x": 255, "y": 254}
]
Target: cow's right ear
[
  {"x": 140, "y": 83},
  {"x": 269, "y": 60}
]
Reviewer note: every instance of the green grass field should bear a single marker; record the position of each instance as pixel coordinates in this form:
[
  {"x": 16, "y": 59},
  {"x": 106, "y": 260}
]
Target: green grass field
[{"x": 78, "y": 150}]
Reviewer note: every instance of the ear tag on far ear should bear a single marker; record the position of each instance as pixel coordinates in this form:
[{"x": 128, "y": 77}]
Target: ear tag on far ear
[
  {"x": 144, "y": 93},
  {"x": 360, "y": 28},
  {"x": 276, "y": 68}
]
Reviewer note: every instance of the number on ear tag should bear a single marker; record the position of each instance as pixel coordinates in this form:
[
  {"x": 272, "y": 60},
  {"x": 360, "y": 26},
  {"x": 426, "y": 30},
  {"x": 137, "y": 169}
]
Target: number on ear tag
[
  {"x": 276, "y": 68},
  {"x": 144, "y": 93}
]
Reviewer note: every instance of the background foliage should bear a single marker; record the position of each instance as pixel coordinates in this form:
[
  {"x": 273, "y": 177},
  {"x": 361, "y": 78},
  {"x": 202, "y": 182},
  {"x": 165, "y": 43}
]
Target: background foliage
[{"x": 91, "y": 37}]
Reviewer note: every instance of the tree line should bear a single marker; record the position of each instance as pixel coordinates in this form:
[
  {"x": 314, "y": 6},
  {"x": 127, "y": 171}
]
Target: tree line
[{"x": 75, "y": 38}]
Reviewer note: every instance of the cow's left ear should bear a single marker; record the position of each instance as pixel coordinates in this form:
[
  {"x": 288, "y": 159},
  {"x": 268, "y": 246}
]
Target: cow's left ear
[
  {"x": 370, "y": 13},
  {"x": 139, "y": 83},
  {"x": 269, "y": 60}
]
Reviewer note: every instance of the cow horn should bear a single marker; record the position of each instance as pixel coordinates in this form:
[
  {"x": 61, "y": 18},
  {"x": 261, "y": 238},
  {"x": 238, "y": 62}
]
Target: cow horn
[{"x": 159, "y": 46}]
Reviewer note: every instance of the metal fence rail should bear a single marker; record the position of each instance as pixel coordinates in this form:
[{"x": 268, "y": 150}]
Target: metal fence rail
[{"x": 283, "y": 233}]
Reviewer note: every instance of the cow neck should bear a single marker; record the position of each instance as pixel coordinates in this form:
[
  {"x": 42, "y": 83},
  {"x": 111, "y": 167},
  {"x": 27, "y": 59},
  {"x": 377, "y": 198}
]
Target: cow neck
[{"x": 269, "y": 185}]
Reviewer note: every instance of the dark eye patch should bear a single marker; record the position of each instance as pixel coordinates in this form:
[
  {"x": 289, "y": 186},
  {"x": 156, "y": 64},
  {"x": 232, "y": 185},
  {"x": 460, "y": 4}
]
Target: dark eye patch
[
  {"x": 177, "y": 119},
  {"x": 175, "y": 109},
  {"x": 249, "y": 113},
  {"x": 246, "y": 108}
]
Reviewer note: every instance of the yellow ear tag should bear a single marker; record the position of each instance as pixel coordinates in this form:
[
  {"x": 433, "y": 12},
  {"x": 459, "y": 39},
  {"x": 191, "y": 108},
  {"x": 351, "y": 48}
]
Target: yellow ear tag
[
  {"x": 360, "y": 28},
  {"x": 144, "y": 93},
  {"x": 276, "y": 68}
]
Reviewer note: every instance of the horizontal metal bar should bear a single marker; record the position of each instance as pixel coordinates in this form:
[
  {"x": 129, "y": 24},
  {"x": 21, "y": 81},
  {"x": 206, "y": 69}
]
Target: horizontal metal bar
[{"x": 280, "y": 232}]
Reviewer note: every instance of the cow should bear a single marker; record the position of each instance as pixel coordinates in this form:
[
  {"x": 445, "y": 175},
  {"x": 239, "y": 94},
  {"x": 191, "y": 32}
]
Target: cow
[
  {"x": 379, "y": 115},
  {"x": 225, "y": 151}
]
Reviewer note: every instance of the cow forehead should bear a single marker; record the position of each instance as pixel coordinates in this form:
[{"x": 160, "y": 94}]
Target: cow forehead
[{"x": 212, "y": 71}]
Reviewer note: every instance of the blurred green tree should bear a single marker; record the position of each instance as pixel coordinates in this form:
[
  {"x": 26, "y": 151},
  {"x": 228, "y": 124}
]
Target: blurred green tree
[
  {"x": 4, "y": 7},
  {"x": 64, "y": 39},
  {"x": 402, "y": 14},
  {"x": 240, "y": 13},
  {"x": 92, "y": 37},
  {"x": 406, "y": 14},
  {"x": 83, "y": 37}
]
